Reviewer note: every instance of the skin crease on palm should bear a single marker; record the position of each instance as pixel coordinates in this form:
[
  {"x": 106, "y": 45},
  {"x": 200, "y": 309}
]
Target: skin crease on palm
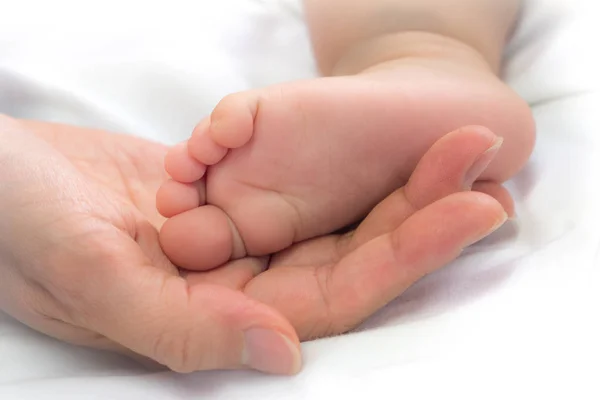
[{"x": 111, "y": 287}]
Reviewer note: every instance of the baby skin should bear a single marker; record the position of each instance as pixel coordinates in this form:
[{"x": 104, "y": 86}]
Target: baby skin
[{"x": 275, "y": 166}]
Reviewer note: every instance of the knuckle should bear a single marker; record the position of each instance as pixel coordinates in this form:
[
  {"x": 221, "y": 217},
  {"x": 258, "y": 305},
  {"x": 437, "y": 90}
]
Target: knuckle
[
  {"x": 34, "y": 298},
  {"x": 343, "y": 307},
  {"x": 326, "y": 324},
  {"x": 39, "y": 309},
  {"x": 33, "y": 304},
  {"x": 174, "y": 350}
]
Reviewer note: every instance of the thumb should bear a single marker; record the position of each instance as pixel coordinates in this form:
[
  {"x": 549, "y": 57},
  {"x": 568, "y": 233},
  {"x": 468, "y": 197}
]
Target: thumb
[{"x": 189, "y": 328}]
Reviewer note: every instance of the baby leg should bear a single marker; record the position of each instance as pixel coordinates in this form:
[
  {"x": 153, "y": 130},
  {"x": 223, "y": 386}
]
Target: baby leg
[{"x": 353, "y": 37}]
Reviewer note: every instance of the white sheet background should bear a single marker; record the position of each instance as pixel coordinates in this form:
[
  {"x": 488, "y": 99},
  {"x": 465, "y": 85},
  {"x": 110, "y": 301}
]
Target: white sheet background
[{"x": 515, "y": 317}]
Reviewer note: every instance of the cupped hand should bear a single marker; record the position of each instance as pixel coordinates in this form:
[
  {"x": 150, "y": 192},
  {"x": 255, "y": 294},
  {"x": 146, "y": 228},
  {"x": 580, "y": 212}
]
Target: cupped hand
[{"x": 80, "y": 258}]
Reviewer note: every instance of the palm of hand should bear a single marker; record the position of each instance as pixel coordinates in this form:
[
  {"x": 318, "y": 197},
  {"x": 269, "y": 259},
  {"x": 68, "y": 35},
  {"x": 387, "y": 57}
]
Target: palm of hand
[
  {"x": 93, "y": 210},
  {"x": 323, "y": 286},
  {"x": 131, "y": 170},
  {"x": 128, "y": 167}
]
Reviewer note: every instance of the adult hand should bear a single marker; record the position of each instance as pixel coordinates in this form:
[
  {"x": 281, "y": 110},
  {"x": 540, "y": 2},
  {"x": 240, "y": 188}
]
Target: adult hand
[
  {"x": 80, "y": 258},
  {"x": 329, "y": 285}
]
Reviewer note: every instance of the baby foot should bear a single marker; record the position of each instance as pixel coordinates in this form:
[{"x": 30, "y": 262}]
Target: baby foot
[{"x": 276, "y": 166}]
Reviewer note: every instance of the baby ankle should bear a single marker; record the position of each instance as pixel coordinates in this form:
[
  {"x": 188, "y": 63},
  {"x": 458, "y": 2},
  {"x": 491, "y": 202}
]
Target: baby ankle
[{"x": 387, "y": 48}]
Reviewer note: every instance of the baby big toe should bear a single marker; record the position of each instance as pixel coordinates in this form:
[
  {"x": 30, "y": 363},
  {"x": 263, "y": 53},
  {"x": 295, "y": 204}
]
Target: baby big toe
[{"x": 200, "y": 239}]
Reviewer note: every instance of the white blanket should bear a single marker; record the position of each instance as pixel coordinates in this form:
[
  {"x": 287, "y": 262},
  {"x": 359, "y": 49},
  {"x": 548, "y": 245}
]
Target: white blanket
[{"x": 515, "y": 317}]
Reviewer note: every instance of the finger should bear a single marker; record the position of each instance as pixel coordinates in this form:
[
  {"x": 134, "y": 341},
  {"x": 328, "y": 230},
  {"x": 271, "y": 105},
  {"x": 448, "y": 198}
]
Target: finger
[
  {"x": 431, "y": 238},
  {"x": 187, "y": 328},
  {"x": 451, "y": 165},
  {"x": 234, "y": 275},
  {"x": 336, "y": 298}
]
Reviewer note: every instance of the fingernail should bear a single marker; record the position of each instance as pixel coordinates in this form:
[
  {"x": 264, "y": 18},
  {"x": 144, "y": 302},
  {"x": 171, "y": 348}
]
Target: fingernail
[
  {"x": 271, "y": 352},
  {"x": 493, "y": 229},
  {"x": 482, "y": 163},
  {"x": 498, "y": 224}
]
